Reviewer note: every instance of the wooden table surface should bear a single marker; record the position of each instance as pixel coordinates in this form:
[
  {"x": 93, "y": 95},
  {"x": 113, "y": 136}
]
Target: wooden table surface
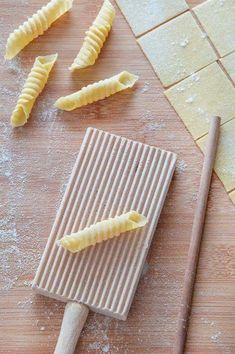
[{"x": 35, "y": 163}]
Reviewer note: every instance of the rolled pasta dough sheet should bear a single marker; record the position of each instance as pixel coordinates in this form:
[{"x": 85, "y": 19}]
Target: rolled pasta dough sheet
[
  {"x": 228, "y": 63},
  {"x": 225, "y": 159},
  {"x": 204, "y": 94},
  {"x": 143, "y": 15},
  {"x": 177, "y": 49},
  {"x": 232, "y": 196},
  {"x": 218, "y": 20}
]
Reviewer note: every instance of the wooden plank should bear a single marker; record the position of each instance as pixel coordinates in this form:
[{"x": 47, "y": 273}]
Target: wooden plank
[
  {"x": 111, "y": 174},
  {"x": 36, "y": 162}
]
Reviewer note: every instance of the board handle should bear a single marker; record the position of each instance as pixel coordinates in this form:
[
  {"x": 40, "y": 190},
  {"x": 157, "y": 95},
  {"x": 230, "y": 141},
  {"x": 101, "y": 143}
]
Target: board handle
[{"x": 75, "y": 316}]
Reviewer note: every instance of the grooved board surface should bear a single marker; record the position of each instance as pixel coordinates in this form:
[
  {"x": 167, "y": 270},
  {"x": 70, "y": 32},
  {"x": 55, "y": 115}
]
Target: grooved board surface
[
  {"x": 112, "y": 175},
  {"x": 36, "y": 162}
]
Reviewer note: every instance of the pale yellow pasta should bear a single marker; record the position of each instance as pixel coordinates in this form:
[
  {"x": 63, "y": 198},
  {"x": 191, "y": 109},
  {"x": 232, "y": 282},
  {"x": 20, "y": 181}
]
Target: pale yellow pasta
[
  {"x": 97, "y": 91},
  {"x": 33, "y": 86},
  {"x": 232, "y": 196},
  {"x": 102, "y": 231},
  {"x": 35, "y": 26},
  {"x": 95, "y": 37}
]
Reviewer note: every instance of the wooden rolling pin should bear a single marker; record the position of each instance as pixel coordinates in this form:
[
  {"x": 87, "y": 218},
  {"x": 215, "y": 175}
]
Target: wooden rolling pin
[{"x": 197, "y": 230}]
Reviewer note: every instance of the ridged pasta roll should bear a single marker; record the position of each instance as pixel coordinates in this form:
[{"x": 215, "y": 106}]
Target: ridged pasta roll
[
  {"x": 33, "y": 86},
  {"x": 95, "y": 37},
  {"x": 35, "y": 26},
  {"x": 97, "y": 91},
  {"x": 102, "y": 231}
]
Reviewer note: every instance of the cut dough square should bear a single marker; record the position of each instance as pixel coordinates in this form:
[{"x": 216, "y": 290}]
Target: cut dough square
[
  {"x": 177, "y": 49},
  {"x": 204, "y": 94},
  {"x": 228, "y": 63},
  {"x": 225, "y": 159},
  {"x": 143, "y": 15},
  {"x": 232, "y": 197},
  {"x": 218, "y": 20}
]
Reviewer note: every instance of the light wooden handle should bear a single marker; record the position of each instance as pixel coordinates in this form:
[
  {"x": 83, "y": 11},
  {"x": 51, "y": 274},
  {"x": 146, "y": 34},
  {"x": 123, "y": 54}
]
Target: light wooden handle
[
  {"x": 197, "y": 229},
  {"x": 75, "y": 316}
]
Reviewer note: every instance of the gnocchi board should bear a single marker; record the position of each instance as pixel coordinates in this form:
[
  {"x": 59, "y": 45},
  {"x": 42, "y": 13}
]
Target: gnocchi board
[
  {"x": 112, "y": 175},
  {"x": 35, "y": 164}
]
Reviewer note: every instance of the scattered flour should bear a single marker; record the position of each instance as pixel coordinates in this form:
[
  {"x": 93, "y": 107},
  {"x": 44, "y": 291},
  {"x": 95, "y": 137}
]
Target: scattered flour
[
  {"x": 27, "y": 283},
  {"x": 184, "y": 42},
  {"x": 8, "y": 235},
  {"x": 195, "y": 77},
  {"x": 5, "y": 156},
  {"x": 147, "y": 115},
  {"x": 16, "y": 67},
  {"x": 15, "y": 72},
  {"x": 146, "y": 87},
  {"x": 151, "y": 127},
  {"x": 216, "y": 337},
  {"x": 206, "y": 321},
  {"x": 105, "y": 348},
  {"x": 48, "y": 112},
  {"x": 204, "y": 35},
  {"x": 180, "y": 89},
  {"x": 98, "y": 346},
  {"x": 200, "y": 110},
  {"x": 181, "y": 166},
  {"x": 94, "y": 346},
  {"x": 21, "y": 245},
  {"x": 24, "y": 303},
  {"x": 99, "y": 326},
  {"x": 150, "y": 123},
  {"x": 190, "y": 99}
]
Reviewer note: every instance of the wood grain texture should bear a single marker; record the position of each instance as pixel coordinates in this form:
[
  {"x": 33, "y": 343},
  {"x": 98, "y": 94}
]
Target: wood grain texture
[
  {"x": 37, "y": 161},
  {"x": 75, "y": 316},
  {"x": 196, "y": 236}
]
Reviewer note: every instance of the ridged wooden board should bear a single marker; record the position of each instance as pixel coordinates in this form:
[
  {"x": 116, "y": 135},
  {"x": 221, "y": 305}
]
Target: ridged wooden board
[{"x": 112, "y": 175}]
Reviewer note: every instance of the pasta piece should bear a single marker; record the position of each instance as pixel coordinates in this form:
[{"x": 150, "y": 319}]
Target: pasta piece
[
  {"x": 102, "y": 231},
  {"x": 97, "y": 91},
  {"x": 35, "y": 26},
  {"x": 95, "y": 37},
  {"x": 32, "y": 88}
]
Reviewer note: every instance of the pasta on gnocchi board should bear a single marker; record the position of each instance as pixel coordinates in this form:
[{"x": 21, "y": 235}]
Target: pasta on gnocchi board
[
  {"x": 112, "y": 175},
  {"x": 35, "y": 162}
]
